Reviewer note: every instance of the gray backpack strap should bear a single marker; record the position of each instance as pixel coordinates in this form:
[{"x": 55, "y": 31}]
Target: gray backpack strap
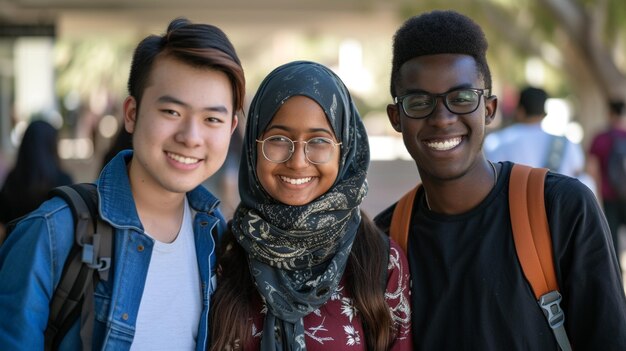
[
  {"x": 92, "y": 252},
  {"x": 554, "y": 157}
]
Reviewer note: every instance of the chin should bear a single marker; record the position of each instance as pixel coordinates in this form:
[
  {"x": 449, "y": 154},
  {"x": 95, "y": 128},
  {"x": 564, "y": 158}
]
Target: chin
[
  {"x": 295, "y": 202},
  {"x": 181, "y": 187}
]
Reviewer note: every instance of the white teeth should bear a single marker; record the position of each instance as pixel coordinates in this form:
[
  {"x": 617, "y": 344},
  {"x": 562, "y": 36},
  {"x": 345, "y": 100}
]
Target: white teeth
[
  {"x": 182, "y": 159},
  {"x": 445, "y": 145},
  {"x": 296, "y": 181}
]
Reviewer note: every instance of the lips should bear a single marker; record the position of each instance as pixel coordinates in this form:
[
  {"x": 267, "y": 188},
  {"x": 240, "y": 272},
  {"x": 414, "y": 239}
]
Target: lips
[
  {"x": 296, "y": 181},
  {"x": 444, "y": 144},
  {"x": 183, "y": 159}
]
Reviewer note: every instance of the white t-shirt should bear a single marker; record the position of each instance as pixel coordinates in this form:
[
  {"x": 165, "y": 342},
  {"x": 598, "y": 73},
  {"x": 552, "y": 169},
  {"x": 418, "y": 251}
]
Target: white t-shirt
[
  {"x": 171, "y": 303},
  {"x": 529, "y": 144}
]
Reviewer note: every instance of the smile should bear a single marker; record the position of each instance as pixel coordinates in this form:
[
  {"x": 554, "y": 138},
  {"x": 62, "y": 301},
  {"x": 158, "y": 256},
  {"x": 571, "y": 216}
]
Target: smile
[
  {"x": 445, "y": 144},
  {"x": 295, "y": 181},
  {"x": 182, "y": 159}
]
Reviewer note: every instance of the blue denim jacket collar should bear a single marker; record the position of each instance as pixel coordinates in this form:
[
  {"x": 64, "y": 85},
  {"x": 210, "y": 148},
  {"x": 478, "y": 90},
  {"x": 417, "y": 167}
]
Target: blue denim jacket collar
[{"x": 117, "y": 205}]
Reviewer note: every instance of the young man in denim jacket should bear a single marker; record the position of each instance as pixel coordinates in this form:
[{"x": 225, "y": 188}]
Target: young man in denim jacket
[{"x": 185, "y": 89}]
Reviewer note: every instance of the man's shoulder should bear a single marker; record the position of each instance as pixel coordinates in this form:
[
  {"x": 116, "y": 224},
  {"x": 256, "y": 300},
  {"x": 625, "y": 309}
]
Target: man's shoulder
[{"x": 51, "y": 225}]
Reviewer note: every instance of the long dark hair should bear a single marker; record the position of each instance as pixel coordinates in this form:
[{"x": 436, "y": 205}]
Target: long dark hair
[
  {"x": 236, "y": 295},
  {"x": 37, "y": 170}
]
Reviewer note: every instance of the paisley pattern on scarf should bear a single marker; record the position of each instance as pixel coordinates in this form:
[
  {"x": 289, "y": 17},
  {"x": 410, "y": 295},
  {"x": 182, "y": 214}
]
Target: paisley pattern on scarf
[{"x": 297, "y": 254}]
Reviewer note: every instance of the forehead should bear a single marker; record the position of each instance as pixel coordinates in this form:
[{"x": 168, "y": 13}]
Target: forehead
[
  {"x": 438, "y": 73},
  {"x": 300, "y": 112}
]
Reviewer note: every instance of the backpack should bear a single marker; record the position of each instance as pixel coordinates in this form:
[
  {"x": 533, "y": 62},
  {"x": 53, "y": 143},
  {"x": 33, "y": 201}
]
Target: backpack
[
  {"x": 616, "y": 167},
  {"x": 88, "y": 262},
  {"x": 531, "y": 235}
]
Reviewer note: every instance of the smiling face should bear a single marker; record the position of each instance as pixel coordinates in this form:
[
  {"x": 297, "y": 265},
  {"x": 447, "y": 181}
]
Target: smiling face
[
  {"x": 443, "y": 145},
  {"x": 296, "y": 181},
  {"x": 182, "y": 129}
]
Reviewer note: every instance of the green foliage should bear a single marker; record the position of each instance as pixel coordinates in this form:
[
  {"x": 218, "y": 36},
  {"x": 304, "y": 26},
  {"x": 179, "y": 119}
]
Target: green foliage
[{"x": 85, "y": 65}]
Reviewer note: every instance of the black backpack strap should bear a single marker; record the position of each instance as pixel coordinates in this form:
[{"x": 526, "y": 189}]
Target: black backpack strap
[{"x": 91, "y": 252}]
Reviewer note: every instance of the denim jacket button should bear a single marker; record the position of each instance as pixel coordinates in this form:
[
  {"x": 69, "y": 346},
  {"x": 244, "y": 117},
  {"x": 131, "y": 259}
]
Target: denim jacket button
[
  {"x": 125, "y": 316},
  {"x": 277, "y": 333},
  {"x": 140, "y": 248}
]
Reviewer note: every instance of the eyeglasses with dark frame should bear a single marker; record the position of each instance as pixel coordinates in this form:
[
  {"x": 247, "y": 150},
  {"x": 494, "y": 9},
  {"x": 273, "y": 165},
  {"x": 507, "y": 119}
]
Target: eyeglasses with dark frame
[
  {"x": 279, "y": 149},
  {"x": 459, "y": 101}
]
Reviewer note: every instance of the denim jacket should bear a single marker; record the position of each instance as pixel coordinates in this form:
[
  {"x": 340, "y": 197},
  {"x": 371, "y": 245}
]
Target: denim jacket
[{"x": 33, "y": 255}]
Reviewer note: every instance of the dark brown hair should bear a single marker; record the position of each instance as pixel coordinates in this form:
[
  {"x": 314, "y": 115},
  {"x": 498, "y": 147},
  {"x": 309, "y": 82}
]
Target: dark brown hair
[{"x": 199, "y": 45}]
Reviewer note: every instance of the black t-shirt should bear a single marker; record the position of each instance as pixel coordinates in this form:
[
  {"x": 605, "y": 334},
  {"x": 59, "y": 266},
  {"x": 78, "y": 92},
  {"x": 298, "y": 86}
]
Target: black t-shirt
[{"x": 468, "y": 288}]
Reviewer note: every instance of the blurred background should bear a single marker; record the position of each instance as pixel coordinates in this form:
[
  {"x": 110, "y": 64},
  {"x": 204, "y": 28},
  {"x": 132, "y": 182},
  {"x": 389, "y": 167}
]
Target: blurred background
[{"x": 67, "y": 61}]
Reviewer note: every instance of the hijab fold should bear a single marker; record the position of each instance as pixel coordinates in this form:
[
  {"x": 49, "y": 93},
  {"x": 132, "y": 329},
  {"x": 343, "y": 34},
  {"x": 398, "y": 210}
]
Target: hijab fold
[{"x": 297, "y": 254}]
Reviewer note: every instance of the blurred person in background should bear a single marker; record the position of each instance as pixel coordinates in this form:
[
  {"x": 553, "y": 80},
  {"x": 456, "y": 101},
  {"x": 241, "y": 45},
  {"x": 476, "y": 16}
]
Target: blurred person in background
[
  {"x": 123, "y": 141},
  {"x": 599, "y": 154},
  {"x": 526, "y": 142},
  {"x": 37, "y": 170}
]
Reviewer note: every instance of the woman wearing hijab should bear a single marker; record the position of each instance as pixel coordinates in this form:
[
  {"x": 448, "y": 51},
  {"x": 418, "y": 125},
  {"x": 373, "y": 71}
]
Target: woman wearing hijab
[{"x": 319, "y": 274}]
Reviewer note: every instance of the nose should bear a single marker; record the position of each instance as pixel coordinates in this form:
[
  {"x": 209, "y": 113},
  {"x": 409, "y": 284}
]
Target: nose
[
  {"x": 441, "y": 115},
  {"x": 298, "y": 158},
  {"x": 189, "y": 133}
]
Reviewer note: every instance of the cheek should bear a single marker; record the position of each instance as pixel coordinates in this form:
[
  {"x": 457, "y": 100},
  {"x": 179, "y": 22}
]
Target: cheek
[
  {"x": 218, "y": 140},
  {"x": 330, "y": 171},
  {"x": 263, "y": 171}
]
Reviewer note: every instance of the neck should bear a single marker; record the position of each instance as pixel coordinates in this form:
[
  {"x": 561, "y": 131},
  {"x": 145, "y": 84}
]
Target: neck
[
  {"x": 532, "y": 120},
  {"x": 457, "y": 196},
  {"x": 160, "y": 211},
  {"x": 619, "y": 123}
]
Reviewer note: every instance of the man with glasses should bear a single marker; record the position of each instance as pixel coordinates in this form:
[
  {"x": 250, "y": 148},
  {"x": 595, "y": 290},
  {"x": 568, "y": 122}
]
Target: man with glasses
[{"x": 468, "y": 289}]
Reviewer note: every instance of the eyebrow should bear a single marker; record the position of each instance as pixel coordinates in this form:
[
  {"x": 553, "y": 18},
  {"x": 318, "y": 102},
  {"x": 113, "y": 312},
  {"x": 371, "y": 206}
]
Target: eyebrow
[
  {"x": 310, "y": 130},
  {"x": 172, "y": 100},
  {"x": 460, "y": 86}
]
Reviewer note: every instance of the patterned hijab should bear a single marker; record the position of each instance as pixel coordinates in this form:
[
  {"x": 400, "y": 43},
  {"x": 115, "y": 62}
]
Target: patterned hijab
[{"x": 297, "y": 254}]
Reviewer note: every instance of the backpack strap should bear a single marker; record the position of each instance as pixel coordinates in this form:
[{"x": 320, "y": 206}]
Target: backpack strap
[
  {"x": 90, "y": 253},
  {"x": 401, "y": 219},
  {"x": 534, "y": 244},
  {"x": 556, "y": 152}
]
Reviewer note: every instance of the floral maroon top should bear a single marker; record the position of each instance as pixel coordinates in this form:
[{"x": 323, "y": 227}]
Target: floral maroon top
[{"x": 337, "y": 326}]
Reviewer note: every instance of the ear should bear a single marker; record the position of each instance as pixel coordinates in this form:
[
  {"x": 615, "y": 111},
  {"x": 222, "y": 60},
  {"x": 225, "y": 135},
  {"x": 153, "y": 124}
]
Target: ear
[
  {"x": 130, "y": 114},
  {"x": 491, "y": 105},
  {"x": 394, "y": 117},
  {"x": 233, "y": 126}
]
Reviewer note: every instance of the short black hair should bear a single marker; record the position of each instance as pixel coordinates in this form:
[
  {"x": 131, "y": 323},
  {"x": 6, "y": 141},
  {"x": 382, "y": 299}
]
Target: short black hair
[
  {"x": 616, "y": 107},
  {"x": 533, "y": 101},
  {"x": 439, "y": 32}
]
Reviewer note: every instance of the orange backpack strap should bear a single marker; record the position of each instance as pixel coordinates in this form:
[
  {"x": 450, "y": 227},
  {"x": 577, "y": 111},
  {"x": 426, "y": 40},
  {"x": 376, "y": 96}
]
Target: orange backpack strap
[
  {"x": 534, "y": 244},
  {"x": 401, "y": 219},
  {"x": 530, "y": 227}
]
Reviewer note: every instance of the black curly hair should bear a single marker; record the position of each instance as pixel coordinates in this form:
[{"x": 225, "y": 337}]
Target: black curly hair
[{"x": 439, "y": 32}]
